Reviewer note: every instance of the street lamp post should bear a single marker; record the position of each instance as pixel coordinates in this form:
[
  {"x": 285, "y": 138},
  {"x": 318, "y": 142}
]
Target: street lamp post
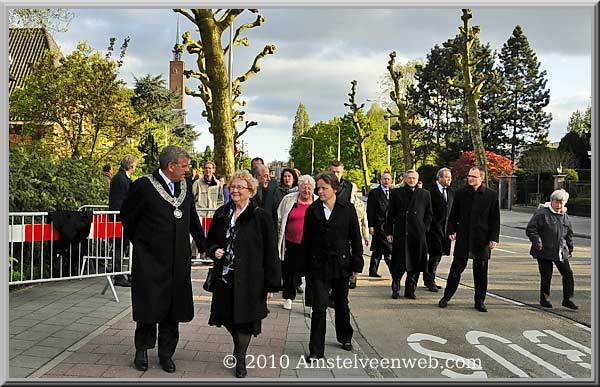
[
  {"x": 312, "y": 154},
  {"x": 339, "y": 141}
]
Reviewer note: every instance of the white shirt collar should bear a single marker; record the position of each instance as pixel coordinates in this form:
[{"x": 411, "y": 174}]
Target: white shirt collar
[
  {"x": 327, "y": 211},
  {"x": 165, "y": 178},
  {"x": 440, "y": 187}
]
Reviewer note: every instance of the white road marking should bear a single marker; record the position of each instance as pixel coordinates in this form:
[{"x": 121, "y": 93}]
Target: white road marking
[
  {"x": 505, "y": 299},
  {"x": 504, "y": 251},
  {"x": 512, "y": 237},
  {"x": 583, "y": 327}
]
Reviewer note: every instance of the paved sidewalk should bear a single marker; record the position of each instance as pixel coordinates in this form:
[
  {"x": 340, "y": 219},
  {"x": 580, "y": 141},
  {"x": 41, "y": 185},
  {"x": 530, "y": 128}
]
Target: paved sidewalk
[{"x": 69, "y": 330}]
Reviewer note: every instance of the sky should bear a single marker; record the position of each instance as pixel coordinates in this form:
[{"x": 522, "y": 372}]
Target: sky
[{"x": 319, "y": 51}]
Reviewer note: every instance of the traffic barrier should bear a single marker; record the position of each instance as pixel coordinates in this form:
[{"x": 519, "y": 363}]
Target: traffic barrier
[{"x": 37, "y": 254}]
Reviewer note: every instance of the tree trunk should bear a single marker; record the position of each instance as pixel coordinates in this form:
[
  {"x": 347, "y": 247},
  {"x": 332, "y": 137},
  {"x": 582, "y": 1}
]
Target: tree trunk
[
  {"x": 475, "y": 129},
  {"x": 406, "y": 151},
  {"x": 221, "y": 127},
  {"x": 363, "y": 164}
]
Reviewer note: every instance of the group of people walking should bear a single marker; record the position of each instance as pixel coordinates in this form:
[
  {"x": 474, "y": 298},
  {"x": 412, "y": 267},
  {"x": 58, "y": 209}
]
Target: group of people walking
[{"x": 267, "y": 237}]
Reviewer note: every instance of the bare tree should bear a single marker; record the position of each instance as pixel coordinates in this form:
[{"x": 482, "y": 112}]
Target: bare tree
[{"x": 361, "y": 134}]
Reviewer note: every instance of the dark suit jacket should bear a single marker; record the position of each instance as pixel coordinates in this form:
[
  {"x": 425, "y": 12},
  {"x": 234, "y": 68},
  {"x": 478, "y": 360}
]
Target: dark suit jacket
[
  {"x": 119, "y": 185},
  {"x": 377, "y": 206},
  {"x": 265, "y": 197},
  {"x": 438, "y": 243},
  {"x": 345, "y": 190},
  {"x": 475, "y": 218},
  {"x": 332, "y": 248},
  {"x": 408, "y": 219}
]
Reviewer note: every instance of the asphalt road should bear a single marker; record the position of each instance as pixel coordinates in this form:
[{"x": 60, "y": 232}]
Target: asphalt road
[{"x": 517, "y": 338}]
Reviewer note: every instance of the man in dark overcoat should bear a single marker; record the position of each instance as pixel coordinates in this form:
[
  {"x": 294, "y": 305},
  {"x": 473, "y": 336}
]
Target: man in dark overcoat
[
  {"x": 407, "y": 222},
  {"x": 159, "y": 215},
  {"x": 119, "y": 186},
  {"x": 474, "y": 224},
  {"x": 438, "y": 243},
  {"x": 377, "y": 205}
]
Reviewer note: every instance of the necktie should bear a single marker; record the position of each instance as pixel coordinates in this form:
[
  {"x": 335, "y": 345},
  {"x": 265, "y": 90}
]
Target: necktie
[
  {"x": 445, "y": 195},
  {"x": 387, "y": 194},
  {"x": 172, "y": 188}
]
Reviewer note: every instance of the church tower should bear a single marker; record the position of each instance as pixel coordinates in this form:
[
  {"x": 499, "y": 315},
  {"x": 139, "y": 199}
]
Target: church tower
[{"x": 176, "y": 71}]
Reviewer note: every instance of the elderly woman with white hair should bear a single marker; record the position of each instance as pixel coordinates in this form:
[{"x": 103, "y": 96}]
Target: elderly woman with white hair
[
  {"x": 290, "y": 215},
  {"x": 551, "y": 235}
]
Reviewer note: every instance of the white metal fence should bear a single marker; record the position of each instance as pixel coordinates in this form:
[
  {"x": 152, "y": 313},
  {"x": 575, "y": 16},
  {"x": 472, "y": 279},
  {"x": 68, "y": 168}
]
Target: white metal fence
[{"x": 38, "y": 254}]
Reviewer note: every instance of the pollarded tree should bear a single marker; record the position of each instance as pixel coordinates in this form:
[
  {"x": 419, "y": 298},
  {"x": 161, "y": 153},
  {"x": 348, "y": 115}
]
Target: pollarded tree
[
  {"x": 526, "y": 121},
  {"x": 361, "y": 133},
  {"x": 214, "y": 80},
  {"x": 467, "y": 60}
]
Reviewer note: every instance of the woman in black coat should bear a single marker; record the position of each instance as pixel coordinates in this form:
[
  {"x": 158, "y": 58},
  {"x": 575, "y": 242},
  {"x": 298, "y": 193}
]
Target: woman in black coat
[
  {"x": 333, "y": 251},
  {"x": 551, "y": 235},
  {"x": 243, "y": 243}
]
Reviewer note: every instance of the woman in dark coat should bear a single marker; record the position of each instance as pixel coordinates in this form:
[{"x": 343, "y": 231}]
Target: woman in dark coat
[
  {"x": 243, "y": 243},
  {"x": 333, "y": 251},
  {"x": 551, "y": 235}
]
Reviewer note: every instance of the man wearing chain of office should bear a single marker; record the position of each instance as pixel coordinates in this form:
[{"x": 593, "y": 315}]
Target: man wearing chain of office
[{"x": 158, "y": 216}]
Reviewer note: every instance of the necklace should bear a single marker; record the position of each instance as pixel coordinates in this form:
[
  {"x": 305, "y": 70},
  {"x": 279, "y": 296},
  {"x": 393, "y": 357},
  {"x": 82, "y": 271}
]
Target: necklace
[{"x": 174, "y": 201}]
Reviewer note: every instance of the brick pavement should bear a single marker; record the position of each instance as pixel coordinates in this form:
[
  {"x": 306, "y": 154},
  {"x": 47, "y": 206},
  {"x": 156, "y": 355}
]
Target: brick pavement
[{"x": 69, "y": 330}]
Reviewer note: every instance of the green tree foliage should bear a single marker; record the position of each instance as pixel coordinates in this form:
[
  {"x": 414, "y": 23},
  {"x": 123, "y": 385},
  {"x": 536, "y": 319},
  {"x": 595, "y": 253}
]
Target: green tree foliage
[
  {"x": 301, "y": 122},
  {"x": 79, "y": 108},
  {"x": 53, "y": 19},
  {"x": 526, "y": 121},
  {"x": 39, "y": 184},
  {"x": 160, "y": 124},
  {"x": 578, "y": 137},
  {"x": 213, "y": 77}
]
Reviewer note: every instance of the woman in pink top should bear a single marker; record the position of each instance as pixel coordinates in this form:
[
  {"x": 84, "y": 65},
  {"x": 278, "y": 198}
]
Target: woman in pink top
[{"x": 290, "y": 215}]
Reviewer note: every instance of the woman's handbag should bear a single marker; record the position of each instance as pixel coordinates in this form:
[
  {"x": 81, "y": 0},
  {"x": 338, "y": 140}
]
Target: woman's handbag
[{"x": 209, "y": 283}]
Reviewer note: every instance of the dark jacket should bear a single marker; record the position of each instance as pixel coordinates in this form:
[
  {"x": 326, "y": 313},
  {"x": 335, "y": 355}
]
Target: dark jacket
[
  {"x": 377, "y": 206},
  {"x": 438, "y": 243},
  {"x": 265, "y": 197},
  {"x": 257, "y": 268},
  {"x": 475, "y": 218},
  {"x": 345, "y": 190},
  {"x": 408, "y": 219},
  {"x": 280, "y": 192},
  {"x": 73, "y": 229},
  {"x": 332, "y": 248},
  {"x": 161, "y": 269},
  {"x": 551, "y": 232},
  {"x": 119, "y": 185}
]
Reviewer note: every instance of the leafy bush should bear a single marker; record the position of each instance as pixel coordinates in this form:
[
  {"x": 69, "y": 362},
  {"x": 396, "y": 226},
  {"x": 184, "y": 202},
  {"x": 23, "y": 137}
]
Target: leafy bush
[
  {"x": 571, "y": 174},
  {"x": 497, "y": 165},
  {"x": 40, "y": 184}
]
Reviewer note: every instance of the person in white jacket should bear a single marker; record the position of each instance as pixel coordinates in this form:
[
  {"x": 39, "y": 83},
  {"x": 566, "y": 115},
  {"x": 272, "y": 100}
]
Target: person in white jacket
[{"x": 290, "y": 224}]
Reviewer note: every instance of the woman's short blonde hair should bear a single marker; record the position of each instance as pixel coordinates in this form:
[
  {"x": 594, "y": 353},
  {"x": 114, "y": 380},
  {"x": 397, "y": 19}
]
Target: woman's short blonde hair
[{"x": 247, "y": 177}]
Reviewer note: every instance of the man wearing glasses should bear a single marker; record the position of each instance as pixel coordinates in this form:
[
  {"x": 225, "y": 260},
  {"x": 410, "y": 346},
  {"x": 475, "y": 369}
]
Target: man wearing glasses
[
  {"x": 159, "y": 214},
  {"x": 474, "y": 224}
]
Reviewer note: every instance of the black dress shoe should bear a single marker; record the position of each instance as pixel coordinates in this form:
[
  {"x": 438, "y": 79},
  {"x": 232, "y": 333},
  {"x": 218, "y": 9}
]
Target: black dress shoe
[
  {"x": 352, "y": 285},
  {"x": 545, "y": 303},
  {"x": 432, "y": 288},
  {"x": 121, "y": 280},
  {"x": 569, "y": 304},
  {"x": 395, "y": 295},
  {"x": 240, "y": 370},
  {"x": 443, "y": 303},
  {"x": 412, "y": 296},
  {"x": 481, "y": 308},
  {"x": 347, "y": 347},
  {"x": 167, "y": 365},
  {"x": 141, "y": 360},
  {"x": 299, "y": 289},
  {"x": 312, "y": 356},
  {"x": 438, "y": 286}
]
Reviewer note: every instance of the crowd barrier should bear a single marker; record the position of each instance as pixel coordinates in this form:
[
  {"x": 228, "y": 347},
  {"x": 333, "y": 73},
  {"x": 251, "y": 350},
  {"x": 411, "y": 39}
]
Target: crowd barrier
[{"x": 38, "y": 254}]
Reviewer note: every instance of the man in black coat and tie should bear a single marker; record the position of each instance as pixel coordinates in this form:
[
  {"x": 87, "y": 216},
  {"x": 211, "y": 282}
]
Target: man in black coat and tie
[
  {"x": 159, "y": 215},
  {"x": 377, "y": 206},
  {"x": 474, "y": 224},
  {"x": 407, "y": 222},
  {"x": 438, "y": 243},
  {"x": 119, "y": 186}
]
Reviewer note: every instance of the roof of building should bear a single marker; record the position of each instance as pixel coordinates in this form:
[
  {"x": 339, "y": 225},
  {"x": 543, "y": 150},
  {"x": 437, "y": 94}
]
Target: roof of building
[{"x": 26, "y": 46}]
